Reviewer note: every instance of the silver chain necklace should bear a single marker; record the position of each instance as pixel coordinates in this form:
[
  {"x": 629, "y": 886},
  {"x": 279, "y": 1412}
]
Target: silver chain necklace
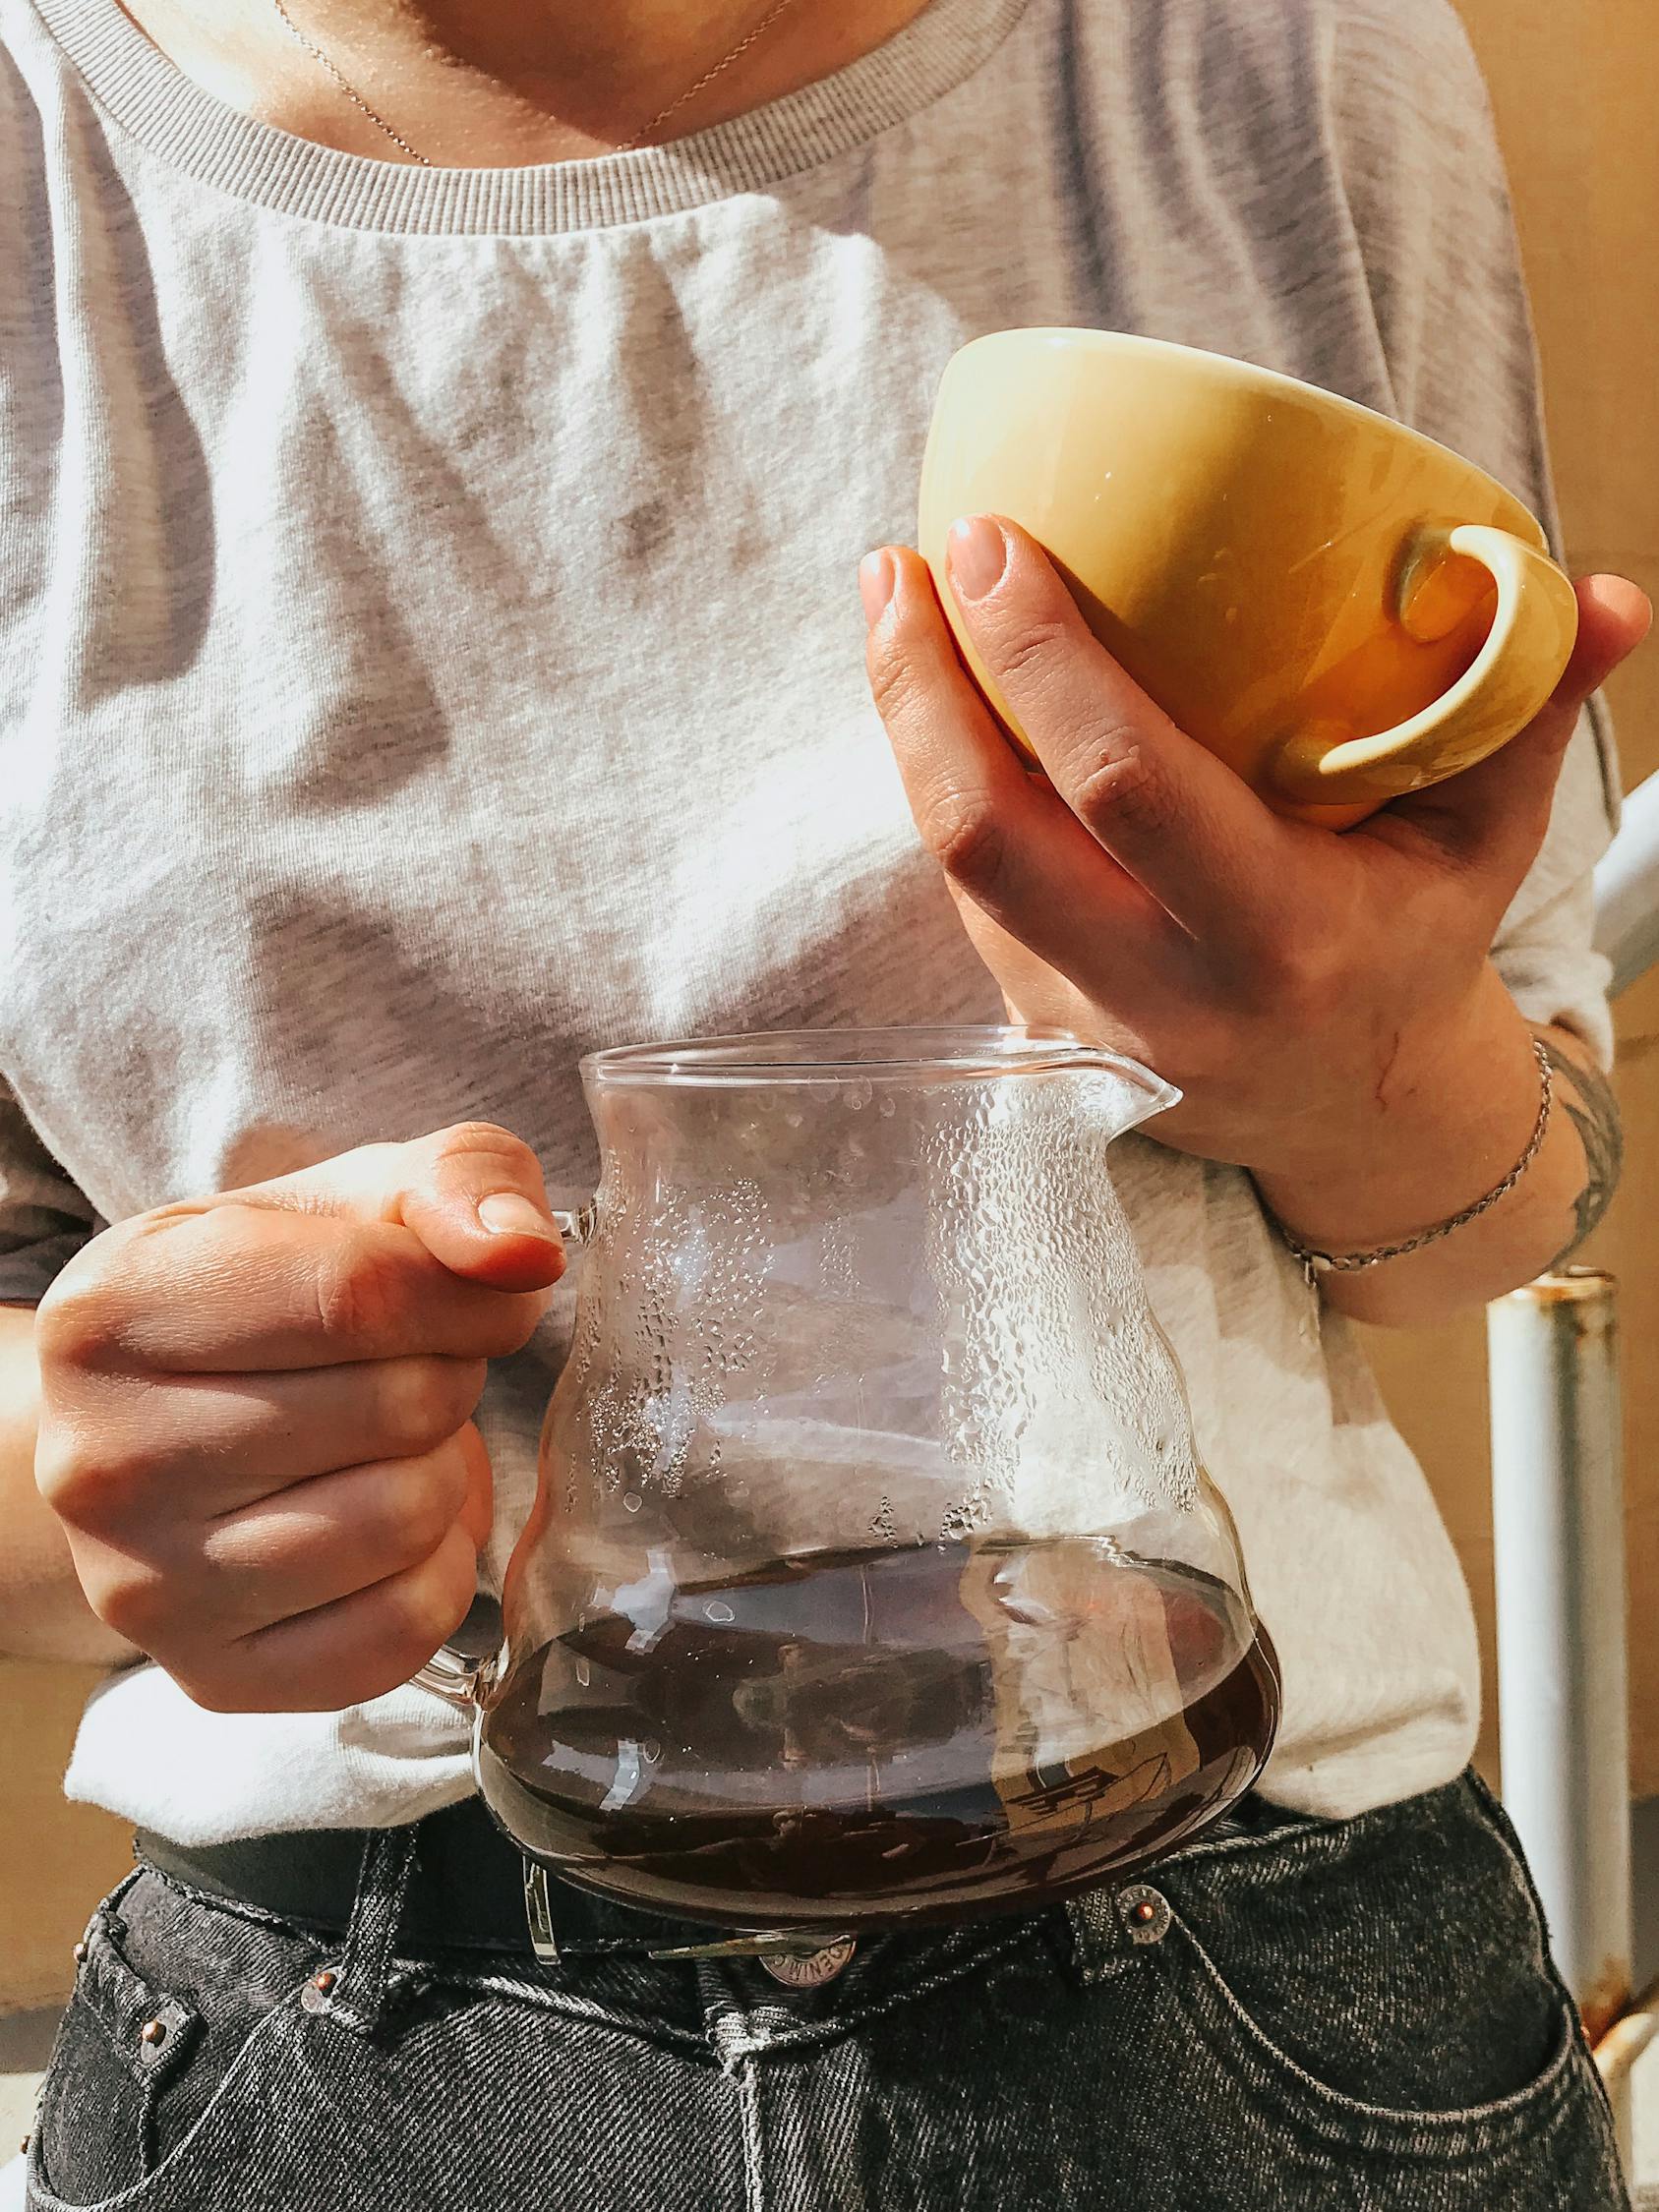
[{"x": 633, "y": 144}]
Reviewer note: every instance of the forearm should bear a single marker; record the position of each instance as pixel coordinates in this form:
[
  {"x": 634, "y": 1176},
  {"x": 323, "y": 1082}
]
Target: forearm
[
  {"x": 1445, "y": 1130},
  {"x": 44, "y": 1613}
]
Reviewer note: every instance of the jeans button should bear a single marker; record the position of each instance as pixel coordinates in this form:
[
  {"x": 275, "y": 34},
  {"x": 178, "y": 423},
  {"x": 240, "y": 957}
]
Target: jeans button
[
  {"x": 811, "y": 1970},
  {"x": 1145, "y": 1912}
]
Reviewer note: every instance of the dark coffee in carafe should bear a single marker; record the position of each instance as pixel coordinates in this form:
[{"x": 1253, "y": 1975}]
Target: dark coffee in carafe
[{"x": 884, "y": 1736}]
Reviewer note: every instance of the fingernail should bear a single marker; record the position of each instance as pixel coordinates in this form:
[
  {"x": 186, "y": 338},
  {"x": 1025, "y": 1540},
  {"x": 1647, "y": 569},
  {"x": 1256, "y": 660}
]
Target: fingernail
[
  {"x": 978, "y": 554},
  {"x": 510, "y": 1211},
  {"x": 878, "y": 572}
]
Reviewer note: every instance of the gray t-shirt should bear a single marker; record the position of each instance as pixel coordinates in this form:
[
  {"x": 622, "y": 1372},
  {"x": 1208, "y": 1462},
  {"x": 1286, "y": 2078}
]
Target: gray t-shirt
[{"x": 429, "y": 649}]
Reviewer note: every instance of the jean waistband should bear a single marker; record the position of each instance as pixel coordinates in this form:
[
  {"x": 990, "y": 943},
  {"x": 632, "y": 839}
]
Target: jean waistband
[
  {"x": 466, "y": 1885},
  {"x": 465, "y": 1891}
]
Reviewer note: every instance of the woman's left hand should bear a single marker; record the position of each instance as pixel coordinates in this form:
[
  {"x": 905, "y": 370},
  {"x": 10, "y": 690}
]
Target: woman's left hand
[{"x": 1295, "y": 983}]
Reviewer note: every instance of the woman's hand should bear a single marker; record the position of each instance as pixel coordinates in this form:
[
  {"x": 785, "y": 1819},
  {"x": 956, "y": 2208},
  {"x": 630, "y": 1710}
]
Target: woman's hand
[
  {"x": 1307, "y": 991},
  {"x": 256, "y": 1414}
]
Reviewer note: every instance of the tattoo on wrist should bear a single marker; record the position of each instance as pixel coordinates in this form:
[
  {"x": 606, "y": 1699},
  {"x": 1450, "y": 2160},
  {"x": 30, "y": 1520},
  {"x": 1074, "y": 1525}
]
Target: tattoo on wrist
[{"x": 1588, "y": 1097}]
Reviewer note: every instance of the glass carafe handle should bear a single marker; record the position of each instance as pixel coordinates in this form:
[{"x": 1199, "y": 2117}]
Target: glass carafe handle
[
  {"x": 575, "y": 1229},
  {"x": 456, "y": 1669}
]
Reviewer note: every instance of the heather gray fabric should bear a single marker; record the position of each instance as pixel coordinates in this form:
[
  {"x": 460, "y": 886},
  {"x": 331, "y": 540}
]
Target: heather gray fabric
[{"x": 429, "y": 649}]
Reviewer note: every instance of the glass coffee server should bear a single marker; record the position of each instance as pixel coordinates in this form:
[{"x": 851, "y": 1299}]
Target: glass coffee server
[{"x": 872, "y": 1579}]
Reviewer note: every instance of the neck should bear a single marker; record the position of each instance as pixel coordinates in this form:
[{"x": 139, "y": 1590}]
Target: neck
[
  {"x": 558, "y": 55},
  {"x": 502, "y": 82}
]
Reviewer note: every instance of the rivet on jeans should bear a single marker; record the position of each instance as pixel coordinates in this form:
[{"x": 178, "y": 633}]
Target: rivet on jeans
[
  {"x": 152, "y": 2032},
  {"x": 79, "y": 1954},
  {"x": 316, "y": 1997},
  {"x": 1145, "y": 1912},
  {"x": 814, "y": 1968}
]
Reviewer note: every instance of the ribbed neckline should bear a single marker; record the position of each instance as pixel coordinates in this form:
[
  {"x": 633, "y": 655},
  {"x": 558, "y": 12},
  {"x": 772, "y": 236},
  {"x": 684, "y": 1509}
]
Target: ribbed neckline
[{"x": 168, "y": 112}]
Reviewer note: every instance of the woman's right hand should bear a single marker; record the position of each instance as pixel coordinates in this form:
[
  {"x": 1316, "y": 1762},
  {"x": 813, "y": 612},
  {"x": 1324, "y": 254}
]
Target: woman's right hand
[{"x": 256, "y": 1414}]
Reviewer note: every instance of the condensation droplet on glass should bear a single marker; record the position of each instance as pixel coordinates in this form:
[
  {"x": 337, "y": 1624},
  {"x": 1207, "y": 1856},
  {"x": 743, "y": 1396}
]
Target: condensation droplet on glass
[
  {"x": 584, "y": 1673},
  {"x": 632, "y": 1501},
  {"x": 717, "y": 1612},
  {"x": 888, "y": 1103},
  {"x": 652, "y": 1749}
]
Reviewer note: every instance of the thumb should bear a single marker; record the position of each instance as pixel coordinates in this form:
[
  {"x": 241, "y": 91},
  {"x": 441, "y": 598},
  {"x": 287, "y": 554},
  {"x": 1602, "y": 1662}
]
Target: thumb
[
  {"x": 477, "y": 1201},
  {"x": 1495, "y": 814},
  {"x": 472, "y": 1194}
]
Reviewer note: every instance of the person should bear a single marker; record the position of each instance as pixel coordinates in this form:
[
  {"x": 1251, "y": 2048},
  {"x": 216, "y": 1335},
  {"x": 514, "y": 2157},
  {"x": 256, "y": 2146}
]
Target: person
[{"x": 437, "y": 440}]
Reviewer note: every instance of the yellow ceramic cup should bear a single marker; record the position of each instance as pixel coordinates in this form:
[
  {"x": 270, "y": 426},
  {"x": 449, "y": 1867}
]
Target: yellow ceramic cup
[{"x": 1338, "y": 606}]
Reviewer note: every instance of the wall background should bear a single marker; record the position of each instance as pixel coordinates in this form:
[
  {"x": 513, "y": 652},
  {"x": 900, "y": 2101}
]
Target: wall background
[
  {"x": 1577, "y": 90},
  {"x": 1576, "y": 94}
]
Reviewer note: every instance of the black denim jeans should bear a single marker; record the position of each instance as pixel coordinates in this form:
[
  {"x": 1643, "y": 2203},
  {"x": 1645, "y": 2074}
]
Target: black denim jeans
[{"x": 1359, "y": 2014}]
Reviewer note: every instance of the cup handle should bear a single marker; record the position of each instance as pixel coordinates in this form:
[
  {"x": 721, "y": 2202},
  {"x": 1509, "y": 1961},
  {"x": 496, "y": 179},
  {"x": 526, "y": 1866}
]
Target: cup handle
[
  {"x": 456, "y": 1669},
  {"x": 1526, "y": 649}
]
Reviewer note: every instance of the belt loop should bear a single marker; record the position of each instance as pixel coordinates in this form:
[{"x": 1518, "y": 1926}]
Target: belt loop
[
  {"x": 354, "y": 1992},
  {"x": 1096, "y": 1938}
]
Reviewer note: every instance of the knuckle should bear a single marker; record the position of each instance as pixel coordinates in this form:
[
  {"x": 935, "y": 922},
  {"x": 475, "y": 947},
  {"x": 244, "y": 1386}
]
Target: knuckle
[
  {"x": 216, "y": 1250},
  {"x": 98, "y": 1487},
  {"x": 138, "y": 1603},
  {"x": 892, "y": 679},
  {"x": 1029, "y": 653},
  {"x": 425, "y": 1400},
  {"x": 506, "y": 1324},
  {"x": 1304, "y": 969},
  {"x": 357, "y": 1289},
  {"x": 379, "y": 1159},
  {"x": 75, "y": 1321},
  {"x": 436, "y": 1501},
  {"x": 963, "y": 832},
  {"x": 67, "y": 1476},
  {"x": 467, "y": 1378},
  {"x": 1122, "y": 789},
  {"x": 431, "y": 1602},
  {"x": 487, "y": 1140},
  {"x": 419, "y": 1509}
]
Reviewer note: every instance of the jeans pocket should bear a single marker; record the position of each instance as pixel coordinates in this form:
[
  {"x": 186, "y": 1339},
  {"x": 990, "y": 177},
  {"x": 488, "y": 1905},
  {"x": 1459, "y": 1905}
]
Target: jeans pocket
[
  {"x": 91, "y": 2136},
  {"x": 1254, "y": 2046},
  {"x": 159, "y": 2017}
]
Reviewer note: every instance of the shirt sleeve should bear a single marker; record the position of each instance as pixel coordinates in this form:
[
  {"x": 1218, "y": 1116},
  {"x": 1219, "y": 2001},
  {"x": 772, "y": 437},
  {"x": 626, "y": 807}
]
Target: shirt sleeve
[
  {"x": 1429, "y": 199},
  {"x": 44, "y": 1220}
]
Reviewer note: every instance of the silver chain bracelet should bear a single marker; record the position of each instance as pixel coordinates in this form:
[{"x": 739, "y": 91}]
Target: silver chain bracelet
[{"x": 1316, "y": 1263}]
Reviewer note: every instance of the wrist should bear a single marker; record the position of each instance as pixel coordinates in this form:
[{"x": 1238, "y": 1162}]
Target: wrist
[{"x": 1452, "y": 1114}]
